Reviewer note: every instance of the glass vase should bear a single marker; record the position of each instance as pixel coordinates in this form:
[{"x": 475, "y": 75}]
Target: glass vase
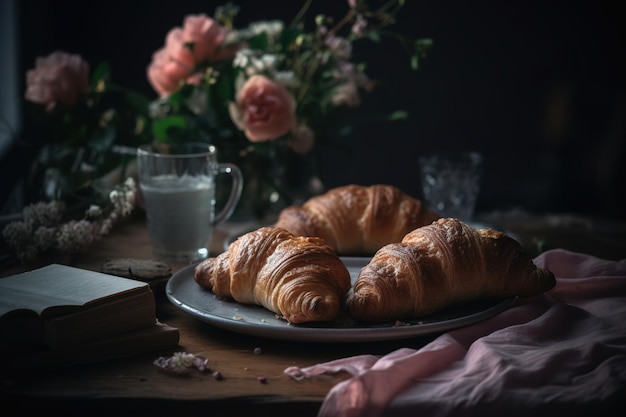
[{"x": 274, "y": 178}]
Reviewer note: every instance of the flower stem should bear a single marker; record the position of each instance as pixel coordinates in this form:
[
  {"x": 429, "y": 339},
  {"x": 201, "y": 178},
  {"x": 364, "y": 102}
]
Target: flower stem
[{"x": 301, "y": 13}]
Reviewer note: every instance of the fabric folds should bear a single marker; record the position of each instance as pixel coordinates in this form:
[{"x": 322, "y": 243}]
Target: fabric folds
[{"x": 562, "y": 351}]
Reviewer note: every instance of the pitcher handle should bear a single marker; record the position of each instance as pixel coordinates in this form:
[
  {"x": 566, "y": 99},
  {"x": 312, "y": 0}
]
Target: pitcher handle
[{"x": 235, "y": 191}]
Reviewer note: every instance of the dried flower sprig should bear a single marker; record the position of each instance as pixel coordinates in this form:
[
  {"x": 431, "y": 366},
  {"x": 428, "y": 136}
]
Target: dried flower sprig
[
  {"x": 181, "y": 363},
  {"x": 42, "y": 228}
]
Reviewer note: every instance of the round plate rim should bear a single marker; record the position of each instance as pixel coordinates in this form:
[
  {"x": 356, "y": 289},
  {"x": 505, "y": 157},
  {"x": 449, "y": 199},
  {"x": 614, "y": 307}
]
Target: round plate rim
[{"x": 275, "y": 328}]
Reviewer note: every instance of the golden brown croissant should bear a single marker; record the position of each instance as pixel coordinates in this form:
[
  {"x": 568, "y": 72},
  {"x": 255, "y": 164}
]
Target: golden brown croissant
[
  {"x": 299, "y": 278},
  {"x": 441, "y": 264},
  {"x": 357, "y": 220}
]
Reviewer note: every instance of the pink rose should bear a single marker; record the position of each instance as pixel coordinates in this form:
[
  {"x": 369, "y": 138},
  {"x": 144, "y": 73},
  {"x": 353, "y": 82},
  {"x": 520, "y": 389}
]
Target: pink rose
[
  {"x": 207, "y": 37},
  {"x": 165, "y": 74},
  {"x": 59, "y": 77},
  {"x": 264, "y": 109},
  {"x": 200, "y": 40}
]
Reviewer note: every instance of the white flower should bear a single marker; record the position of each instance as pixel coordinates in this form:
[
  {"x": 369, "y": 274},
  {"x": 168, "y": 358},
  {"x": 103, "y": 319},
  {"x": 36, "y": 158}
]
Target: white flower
[
  {"x": 271, "y": 28},
  {"x": 106, "y": 226},
  {"x": 287, "y": 79},
  {"x": 359, "y": 26},
  {"x": 242, "y": 58},
  {"x": 130, "y": 183},
  {"x": 123, "y": 199},
  {"x": 269, "y": 62},
  {"x": 181, "y": 362},
  {"x": 45, "y": 238},
  {"x": 253, "y": 62},
  {"x": 341, "y": 47},
  {"x": 198, "y": 101},
  {"x": 93, "y": 212},
  {"x": 73, "y": 235},
  {"x": 44, "y": 214},
  {"x": 42, "y": 230},
  {"x": 158, "y": 108},
  {"x": 17, "y": 233},
  {"x": 346, "y": 94}
]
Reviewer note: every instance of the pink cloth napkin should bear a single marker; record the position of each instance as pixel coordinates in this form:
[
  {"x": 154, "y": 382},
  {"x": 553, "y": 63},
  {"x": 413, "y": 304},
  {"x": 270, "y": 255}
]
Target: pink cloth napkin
[{"x": 563, "y": 351}]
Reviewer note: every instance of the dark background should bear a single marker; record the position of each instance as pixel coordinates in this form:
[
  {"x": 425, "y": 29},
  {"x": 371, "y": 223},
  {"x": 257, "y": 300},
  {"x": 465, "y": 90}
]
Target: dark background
[{"x": 537, "y": 87}]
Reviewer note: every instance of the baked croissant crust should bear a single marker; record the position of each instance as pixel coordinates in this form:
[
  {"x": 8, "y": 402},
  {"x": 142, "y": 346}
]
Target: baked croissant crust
[
  {"x": 299, "y": 278},
  {"x": 441, "y": 264},
  {"x": 357, "y": 220}
]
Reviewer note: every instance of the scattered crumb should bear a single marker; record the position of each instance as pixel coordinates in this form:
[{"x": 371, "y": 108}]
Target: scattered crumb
[
  {"x": 261, "y": 379},
  {"x": 257, "y": 351},
  {"x": 217, "y": 376}
]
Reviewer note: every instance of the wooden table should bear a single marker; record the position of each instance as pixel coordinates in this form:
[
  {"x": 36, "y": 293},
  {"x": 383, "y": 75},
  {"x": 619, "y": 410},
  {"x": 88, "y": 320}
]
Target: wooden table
[{"x": 134, "y": 386}]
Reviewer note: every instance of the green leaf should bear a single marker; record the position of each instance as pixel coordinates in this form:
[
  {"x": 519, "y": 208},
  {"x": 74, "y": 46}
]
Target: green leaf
[
  {"x": 289, "y": 36},
  {"x": 398, "y": 115},
  {"x": 225, "y": 88},
  {"x": 415, "y": 62},
  {"x": 422, "y": 46},
  {"x": 162, "y": 126},
  {"x": 345, "y": 130},
  {"x": 101, "y": 72},
  {"x": 260, "y": 41},
  {"x": 176, "y": 99},
  {"x": 102, "y": 139},
  {"x": 138, "y": 102},
  {"x": 374, "y": 36}
]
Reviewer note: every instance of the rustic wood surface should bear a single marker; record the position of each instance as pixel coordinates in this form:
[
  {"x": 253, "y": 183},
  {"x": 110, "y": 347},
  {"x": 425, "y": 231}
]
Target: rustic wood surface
[{"x": 134, "y": 386}]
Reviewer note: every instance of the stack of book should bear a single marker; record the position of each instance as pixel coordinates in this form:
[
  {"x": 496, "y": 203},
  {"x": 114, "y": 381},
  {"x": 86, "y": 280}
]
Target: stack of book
[{"x": 58, "y": 315}]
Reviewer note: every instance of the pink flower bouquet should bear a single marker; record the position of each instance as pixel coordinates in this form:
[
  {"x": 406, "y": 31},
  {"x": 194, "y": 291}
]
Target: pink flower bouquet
[{"x": 264, "y": 94}]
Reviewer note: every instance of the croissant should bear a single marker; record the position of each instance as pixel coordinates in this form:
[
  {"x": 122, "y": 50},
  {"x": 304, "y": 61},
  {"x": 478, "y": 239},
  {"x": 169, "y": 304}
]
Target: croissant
[
  {"x": 299, "y": 278},
  {"x": 441, "y": 264},
  {"x": 357, "y": 220}
]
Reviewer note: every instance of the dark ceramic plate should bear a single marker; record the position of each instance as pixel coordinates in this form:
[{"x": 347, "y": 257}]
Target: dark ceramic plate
[{"x": 202, "y": 304}]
